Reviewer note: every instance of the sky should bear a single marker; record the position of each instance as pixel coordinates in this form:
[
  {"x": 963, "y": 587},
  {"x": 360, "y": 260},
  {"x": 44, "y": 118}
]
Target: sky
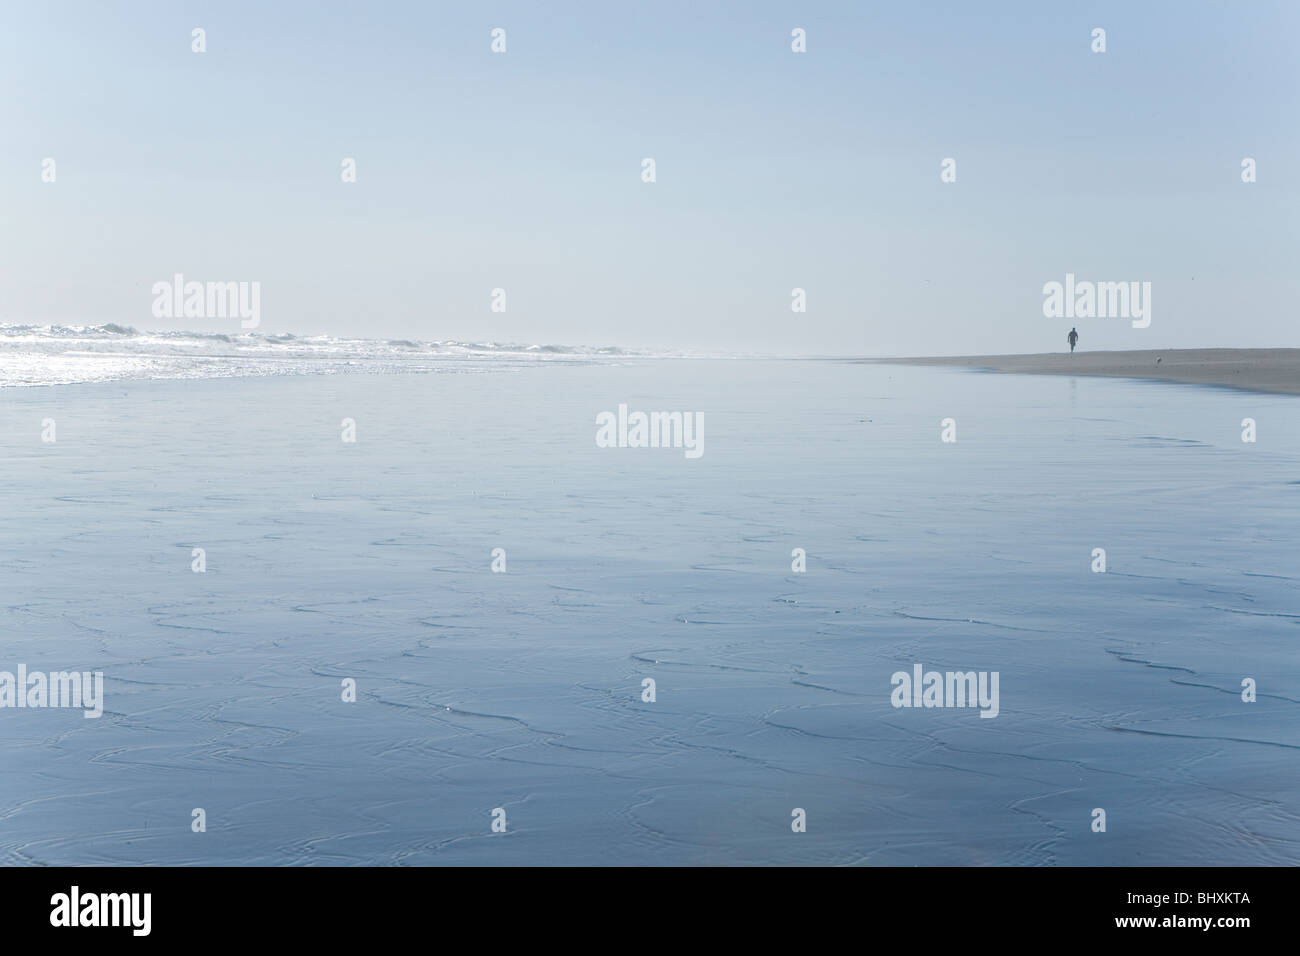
[{"x": 774, "y": 170}]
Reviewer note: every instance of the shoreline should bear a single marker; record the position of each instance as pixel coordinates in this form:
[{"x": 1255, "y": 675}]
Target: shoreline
[{"x": 1274, "y": 371}]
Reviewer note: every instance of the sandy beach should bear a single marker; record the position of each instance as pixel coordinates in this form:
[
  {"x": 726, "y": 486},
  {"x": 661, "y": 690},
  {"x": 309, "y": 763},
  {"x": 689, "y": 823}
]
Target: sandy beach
[{"x": 1258, "y": 370}]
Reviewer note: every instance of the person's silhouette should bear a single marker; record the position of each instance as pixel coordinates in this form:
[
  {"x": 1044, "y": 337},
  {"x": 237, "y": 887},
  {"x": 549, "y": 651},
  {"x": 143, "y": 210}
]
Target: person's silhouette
[{"x": 1072, "y": 338}]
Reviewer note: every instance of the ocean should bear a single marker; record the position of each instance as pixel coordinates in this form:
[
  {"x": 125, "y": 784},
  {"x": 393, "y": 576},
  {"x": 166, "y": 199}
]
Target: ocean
[{"x": 200, "y": 531}]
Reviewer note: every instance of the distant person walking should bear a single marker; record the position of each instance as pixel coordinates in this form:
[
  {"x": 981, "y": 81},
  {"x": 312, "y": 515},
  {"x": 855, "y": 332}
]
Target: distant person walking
[{"x": 1072, "y": 338}]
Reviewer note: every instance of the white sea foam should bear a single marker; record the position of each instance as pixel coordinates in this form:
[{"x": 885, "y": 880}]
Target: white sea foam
[{"x": 55, "y": 355}]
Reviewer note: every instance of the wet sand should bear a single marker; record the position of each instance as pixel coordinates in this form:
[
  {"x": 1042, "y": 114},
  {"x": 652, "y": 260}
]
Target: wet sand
[
  {"x": 523, "y": 689},
  {"x": 1258, "y": 370}
]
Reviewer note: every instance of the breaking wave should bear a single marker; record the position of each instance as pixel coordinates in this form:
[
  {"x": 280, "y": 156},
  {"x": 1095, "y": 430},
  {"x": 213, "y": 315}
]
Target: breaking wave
[{"x": 55, "y": 354}]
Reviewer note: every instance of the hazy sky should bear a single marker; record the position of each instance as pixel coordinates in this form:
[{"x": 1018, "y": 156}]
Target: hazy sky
[{"x": 774, "y": 169}]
